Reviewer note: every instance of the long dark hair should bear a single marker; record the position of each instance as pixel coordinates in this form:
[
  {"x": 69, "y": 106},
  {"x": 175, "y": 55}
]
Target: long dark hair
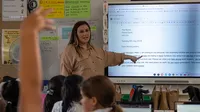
[
  {"x": 71, "y": 91},
  {"x": 10, "y": 93},
  {"x": 74, "y": 36},
  {"x": 53, "y": 92},
  {"x": 105, "y": 96}
]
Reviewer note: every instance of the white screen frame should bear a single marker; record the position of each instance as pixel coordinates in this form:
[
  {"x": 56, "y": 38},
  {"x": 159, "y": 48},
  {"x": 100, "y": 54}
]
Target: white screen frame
[{"x": 154, "y": 80}]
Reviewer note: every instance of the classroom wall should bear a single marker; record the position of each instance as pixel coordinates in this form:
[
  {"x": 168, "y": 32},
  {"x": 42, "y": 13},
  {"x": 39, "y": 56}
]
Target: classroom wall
[
  {"x": 12, "y": 70},
  {"x": 51, "y": 49}
]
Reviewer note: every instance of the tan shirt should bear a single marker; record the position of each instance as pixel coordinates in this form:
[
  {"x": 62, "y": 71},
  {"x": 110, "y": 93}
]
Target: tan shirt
[{"x": 93, "y": 61}]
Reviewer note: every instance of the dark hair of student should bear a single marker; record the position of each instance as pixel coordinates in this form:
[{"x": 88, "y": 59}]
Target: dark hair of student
[
  {"x": 7, "y": 78},
  {"x": 105, "y": 96},
  {"x": 71, "y": 91},
  {"x": 74, "y": 36},
  {"x": 10, "y": 93},
  {"x": 53, "y": 92}
]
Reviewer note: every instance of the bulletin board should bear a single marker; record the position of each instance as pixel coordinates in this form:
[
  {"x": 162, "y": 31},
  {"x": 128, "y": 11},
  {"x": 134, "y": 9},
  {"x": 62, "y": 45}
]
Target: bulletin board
[{"x": 52, "y": 43}]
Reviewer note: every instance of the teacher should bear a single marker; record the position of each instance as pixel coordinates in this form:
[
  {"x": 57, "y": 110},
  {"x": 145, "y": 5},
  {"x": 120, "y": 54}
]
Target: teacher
[{"x": 82, "y": 58}]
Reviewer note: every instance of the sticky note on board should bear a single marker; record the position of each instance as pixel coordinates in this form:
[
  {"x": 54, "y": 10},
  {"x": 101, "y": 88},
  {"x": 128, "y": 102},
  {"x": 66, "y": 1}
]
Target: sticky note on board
[
  {"x": 77, "y": 8},
  {"x": 93, "y": 28},
  {"x": 49, "y": 38},
  {"x": 66, "y": 32},
  {"x": 58, "y": 7}
]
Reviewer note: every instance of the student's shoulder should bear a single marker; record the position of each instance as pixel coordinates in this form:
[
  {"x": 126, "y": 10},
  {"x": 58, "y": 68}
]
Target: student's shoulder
[
  {"x": 58, "y": 104},
  {"x": 76, "y": 107},
  {"x": 57, "y": 107}
]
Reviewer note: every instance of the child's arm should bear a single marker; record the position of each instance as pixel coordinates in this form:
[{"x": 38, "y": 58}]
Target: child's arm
[{"x": 30, "y": 63}]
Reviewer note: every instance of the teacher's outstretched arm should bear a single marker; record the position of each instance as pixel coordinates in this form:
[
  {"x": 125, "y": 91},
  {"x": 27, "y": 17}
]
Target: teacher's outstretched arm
[
  {"x": 30, "y": 63},
  {"x": 113, "y": 59}
]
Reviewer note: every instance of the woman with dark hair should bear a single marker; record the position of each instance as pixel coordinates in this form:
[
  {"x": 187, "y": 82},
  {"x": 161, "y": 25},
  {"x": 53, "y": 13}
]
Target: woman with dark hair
[
  {"x": 10, "y": 93},
  {"x": 30, "y": 60},
  {"x": 82, "y": 58},
  {"x": 53, "y": 92},
  {"x": 98, "y": 95},
  {"x": 71, "y": 95}
]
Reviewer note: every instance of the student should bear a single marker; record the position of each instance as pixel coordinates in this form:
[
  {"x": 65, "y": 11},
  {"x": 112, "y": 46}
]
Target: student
[
  {"x": 30, "y": 73},
  {"x": 10, "y": 93},
  {"x": 98, "y": 95},
  {"x": 82, "y": 58},
  {"x": 30, "y": 66},
  {"x": 53, "y": 92},
  {"x": 7, "y": 78},
  {"x": 71, "y": 95}
]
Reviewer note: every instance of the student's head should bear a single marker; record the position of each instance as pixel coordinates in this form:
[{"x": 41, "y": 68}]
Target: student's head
[
  {"x": 81, "y": 34},
  {"x": 71, "y": 91},
  {"x": 7, "y": 78},
  {"x": 10, "y": 93},
  {"x": 53, "y": 92},
  {"x": 98, "y": 92}
]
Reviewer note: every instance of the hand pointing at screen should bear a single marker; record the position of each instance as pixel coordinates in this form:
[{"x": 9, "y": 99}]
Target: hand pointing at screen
[{"x": 132, "y": 58}]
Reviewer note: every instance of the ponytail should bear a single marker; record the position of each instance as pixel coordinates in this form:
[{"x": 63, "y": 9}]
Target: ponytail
[
  {"x": 71, "y": 91},
  {"x": 10, "y": 93},
  {"x": 116, "y": 108},
  {"x": 10, "y": 107}
]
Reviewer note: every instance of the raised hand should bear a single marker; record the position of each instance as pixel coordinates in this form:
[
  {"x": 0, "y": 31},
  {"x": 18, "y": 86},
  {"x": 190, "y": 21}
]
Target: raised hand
[
  {"x": 30, "y": 73},
  {"x": 37, "y": 21}
]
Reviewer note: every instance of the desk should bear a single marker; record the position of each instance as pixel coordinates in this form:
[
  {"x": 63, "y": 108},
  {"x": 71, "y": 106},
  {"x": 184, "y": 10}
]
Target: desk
[{"x": 136, "y": 107}]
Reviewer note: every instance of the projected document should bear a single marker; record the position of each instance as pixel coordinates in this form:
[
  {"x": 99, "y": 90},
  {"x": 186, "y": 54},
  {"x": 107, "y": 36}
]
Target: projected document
[{"x": 166, "y": 35}]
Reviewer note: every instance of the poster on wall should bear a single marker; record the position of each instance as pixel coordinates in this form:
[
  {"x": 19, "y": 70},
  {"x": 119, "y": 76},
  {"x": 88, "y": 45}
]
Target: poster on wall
[
  {"x": 77, "y": 8},
  {"x": 14, "y": 10},
  {"x": 10, "y": 46},
  {"x": 64, "y": 32},
  {"x": 48, "y": 48},
  {"x": 68, "y": 8},
  {"x": 57, "y": 5}
]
